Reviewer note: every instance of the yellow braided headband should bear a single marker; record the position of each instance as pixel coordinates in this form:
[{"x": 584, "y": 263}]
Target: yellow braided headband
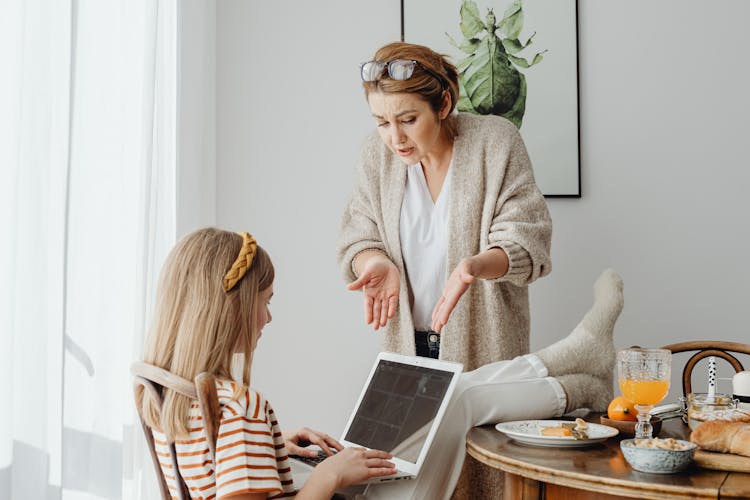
[{"x": 243, "y": 262}]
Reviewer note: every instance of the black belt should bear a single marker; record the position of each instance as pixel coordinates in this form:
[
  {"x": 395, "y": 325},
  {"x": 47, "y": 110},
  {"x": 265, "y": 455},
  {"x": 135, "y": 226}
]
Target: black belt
[
  {"x": 429, "y": 336},
  {"x": 427, "y": 344}
]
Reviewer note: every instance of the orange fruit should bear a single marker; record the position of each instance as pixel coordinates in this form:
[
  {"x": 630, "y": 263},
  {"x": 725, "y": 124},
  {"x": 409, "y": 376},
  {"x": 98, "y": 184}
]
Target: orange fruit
[{"x": 622, "y": 409}]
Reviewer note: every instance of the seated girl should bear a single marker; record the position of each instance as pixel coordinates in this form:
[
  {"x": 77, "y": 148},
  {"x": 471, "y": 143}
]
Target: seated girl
[{"x": 212, "y": 302}]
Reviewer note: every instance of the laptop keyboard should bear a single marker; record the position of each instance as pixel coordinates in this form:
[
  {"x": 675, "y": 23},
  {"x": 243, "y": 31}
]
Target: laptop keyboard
[{"x": 313, "y": 461}]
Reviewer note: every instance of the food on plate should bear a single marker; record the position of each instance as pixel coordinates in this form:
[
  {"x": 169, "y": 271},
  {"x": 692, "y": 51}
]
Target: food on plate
[
  {"x": 557, "y": 431},
  {"x": 727, "y": 415},
  {"x": 621, "y": 408},
  {"x": 576, "y": 430},
  {"x": 581, "y": 424},
  {"x": 661, "y": 444},
  {"x": 724, "y": 437}
]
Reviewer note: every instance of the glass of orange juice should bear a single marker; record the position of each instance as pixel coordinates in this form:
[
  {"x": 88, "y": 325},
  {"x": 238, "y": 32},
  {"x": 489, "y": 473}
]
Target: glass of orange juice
[{"x": 644, "y": 380}]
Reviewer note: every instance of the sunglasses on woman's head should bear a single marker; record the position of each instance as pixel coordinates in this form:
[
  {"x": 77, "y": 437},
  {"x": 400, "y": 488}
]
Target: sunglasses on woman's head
[{"x": 398, "y": 69}]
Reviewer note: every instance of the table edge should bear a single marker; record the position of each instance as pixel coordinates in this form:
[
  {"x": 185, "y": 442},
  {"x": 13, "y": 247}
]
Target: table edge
[{"x": 595, "y": 484}]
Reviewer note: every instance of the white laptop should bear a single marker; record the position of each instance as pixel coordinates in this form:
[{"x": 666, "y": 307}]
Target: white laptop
[{"x": 399, "y": 410}]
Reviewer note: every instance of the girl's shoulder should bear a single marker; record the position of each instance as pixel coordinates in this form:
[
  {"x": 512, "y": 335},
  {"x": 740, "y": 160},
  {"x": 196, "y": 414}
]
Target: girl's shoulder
[{"x": 235, "y": 398}]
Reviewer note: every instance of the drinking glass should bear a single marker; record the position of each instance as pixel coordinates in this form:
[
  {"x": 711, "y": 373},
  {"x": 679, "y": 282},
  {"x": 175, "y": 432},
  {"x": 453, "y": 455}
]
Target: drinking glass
[{"x": 643, "y": 375}]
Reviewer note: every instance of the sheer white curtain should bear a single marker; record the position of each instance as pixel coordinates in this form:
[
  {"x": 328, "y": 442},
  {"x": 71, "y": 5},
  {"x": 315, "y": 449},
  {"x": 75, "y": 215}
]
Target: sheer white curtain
[{"x": 87, "y": 198}]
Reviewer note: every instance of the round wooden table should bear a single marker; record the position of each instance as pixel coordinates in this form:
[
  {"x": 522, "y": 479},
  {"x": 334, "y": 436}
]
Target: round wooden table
[{"x": 596, "y": 472}]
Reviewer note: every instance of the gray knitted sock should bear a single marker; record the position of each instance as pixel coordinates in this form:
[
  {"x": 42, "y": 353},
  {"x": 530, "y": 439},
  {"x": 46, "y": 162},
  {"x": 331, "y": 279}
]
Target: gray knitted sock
[
  {"x": 586, "y": 391},
  {"x": 590, "y": 348}
]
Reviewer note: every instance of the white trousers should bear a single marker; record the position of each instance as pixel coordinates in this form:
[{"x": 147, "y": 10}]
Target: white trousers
[{"x": 517, "y": 389}]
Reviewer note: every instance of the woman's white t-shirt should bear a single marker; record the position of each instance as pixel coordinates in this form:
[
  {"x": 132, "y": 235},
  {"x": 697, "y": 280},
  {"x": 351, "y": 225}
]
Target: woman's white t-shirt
[{"x": 424, "y": 242}]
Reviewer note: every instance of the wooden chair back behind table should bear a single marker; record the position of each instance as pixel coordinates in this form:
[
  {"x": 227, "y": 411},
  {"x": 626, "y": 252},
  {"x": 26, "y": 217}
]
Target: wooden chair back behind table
[{"x": 705, "y": 349}]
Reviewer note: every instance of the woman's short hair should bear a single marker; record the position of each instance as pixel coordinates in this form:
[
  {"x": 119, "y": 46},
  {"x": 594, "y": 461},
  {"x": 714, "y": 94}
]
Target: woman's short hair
[
  {"x": 197, "y": 326},
  {"x": 422, "y": 82}
]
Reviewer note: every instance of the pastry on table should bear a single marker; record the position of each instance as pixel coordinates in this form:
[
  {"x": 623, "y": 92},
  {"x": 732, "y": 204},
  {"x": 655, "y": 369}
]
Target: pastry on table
[{"x": 723, "y": 437}]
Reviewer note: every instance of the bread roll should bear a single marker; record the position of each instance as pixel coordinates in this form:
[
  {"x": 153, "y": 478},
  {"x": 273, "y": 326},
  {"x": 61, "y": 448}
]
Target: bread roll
[{"x": 724, "y": 437}]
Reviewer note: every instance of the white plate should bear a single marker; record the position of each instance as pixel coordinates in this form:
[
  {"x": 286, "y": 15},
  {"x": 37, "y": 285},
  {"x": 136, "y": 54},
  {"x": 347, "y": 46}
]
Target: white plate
[{"x": 529, "y": 432}]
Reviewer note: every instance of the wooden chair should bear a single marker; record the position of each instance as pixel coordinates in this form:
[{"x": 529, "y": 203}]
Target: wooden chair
[
  {"x": 705, "y": 349},
  {"x": 154, "y": 380}
]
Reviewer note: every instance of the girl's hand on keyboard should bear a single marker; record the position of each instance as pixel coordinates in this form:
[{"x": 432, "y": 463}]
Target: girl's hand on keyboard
[
  {"x": 354, "y": 465},
  {"x": 297, "y": 442}
]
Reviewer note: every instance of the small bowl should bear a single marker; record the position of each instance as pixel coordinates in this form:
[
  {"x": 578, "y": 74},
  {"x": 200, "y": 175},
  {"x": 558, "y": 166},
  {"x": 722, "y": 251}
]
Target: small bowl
[
  {"x": 627, "y": 427},
  {"x": 657, "y": 460}
]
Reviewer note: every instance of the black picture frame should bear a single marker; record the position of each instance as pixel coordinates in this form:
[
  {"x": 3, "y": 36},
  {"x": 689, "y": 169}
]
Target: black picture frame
[{"x": 555, "y": 180}]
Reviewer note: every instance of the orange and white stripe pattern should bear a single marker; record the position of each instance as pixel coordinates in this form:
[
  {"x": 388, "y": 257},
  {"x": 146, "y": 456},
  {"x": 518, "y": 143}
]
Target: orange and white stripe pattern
[{"x": 250, "y": 453}]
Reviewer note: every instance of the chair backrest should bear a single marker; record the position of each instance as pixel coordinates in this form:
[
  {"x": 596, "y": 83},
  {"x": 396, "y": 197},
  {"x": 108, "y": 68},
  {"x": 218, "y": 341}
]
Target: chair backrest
[
  {"x": 155, "y": 380},
  {"x": 706, "y": 348}
]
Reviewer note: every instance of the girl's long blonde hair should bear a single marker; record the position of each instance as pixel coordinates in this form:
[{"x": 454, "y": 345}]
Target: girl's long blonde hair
[{"x": 197, "y": 326}]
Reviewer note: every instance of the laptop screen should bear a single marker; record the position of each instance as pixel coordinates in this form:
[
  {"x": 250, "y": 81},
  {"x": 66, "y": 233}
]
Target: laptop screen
[{"x": 398, "y": 408}]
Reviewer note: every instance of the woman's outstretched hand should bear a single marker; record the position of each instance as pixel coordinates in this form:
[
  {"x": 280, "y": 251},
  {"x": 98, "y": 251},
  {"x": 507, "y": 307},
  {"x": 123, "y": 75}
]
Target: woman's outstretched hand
[
  {"x": 490, "y": 264},
  {"x": 380, "y": 282},
  {"x": 458, "y": 282},
  {"x": 297, "y": 442}
]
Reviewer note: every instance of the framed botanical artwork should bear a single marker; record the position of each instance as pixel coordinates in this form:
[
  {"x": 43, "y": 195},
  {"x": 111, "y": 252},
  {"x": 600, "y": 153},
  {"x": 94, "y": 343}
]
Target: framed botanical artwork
[{"x": 517, "y": 59}]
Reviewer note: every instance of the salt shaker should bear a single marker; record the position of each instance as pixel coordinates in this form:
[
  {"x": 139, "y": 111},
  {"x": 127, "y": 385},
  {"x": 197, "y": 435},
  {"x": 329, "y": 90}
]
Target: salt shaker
[{"x": 741, "y": 389}]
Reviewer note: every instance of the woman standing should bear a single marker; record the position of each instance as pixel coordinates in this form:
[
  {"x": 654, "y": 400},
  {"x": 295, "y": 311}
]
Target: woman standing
[{"x": 446, "y": 227}]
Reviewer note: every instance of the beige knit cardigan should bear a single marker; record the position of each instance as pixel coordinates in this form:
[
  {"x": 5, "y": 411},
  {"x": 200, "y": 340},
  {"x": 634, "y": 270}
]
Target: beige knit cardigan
[{"x": 494, "y": 202}]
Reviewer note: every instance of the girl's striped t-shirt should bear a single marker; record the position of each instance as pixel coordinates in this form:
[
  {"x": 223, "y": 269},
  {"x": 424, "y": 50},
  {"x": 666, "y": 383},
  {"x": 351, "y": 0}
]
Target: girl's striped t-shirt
[{"x": 250, "y": 453}]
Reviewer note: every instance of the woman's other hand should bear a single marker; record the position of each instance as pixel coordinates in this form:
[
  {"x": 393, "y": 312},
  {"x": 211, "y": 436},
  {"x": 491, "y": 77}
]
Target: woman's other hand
[
  {"x": 458, "y": 282},
  {"x": 490, "y": 264},
  {"x": 380, "y": 282},
  {"x": 298, "y": 440}
]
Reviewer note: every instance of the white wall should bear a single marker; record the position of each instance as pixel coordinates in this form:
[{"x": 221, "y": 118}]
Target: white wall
[
  {"x": 290, "y": 119},
  {"x": 666, "y": 177},
  {"x": 196, "y": 151},
  {"x": 663, "y": 112}
]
